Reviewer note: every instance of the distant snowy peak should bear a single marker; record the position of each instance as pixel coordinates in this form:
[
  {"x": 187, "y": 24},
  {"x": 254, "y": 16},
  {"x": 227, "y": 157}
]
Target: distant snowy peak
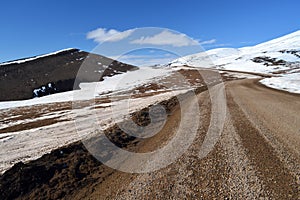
[
  {"x": 19, "y": 61},
  {"x": 277, "y": 55},
  {"x": 290, "y": 41}
]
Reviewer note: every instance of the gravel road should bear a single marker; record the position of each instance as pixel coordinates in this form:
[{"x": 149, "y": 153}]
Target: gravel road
[{"x": 256, "y": 157}]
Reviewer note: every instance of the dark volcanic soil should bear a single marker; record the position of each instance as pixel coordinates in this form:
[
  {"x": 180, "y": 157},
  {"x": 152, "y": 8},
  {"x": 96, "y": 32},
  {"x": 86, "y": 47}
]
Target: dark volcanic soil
[{"x": 17, "y": 81}]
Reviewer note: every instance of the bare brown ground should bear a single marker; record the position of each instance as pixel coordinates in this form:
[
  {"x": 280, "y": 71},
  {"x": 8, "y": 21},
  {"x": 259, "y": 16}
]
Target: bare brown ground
[{"x": 32, "y": 125}]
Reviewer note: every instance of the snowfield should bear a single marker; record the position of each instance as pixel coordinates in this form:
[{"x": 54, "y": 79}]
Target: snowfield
[{"x": 278, "y": 57}]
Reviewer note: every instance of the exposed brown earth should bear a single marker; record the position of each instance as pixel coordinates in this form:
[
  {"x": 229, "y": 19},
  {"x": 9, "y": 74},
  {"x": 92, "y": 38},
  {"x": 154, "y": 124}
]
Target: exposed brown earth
[
  {"x": 256, "y": 157},
  {"x": 32, "y": 125}
]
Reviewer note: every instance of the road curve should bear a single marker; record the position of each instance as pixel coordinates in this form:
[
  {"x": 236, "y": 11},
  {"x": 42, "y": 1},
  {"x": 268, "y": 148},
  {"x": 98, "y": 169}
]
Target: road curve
[{"x": 256, "y": 156}]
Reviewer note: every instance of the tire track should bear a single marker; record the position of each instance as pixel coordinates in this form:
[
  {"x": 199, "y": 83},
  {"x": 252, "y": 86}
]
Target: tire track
[
  {"x": 190, "y": 177},
  {"x": 279, "y": 182},
  {"x": 243, "y": 181}
]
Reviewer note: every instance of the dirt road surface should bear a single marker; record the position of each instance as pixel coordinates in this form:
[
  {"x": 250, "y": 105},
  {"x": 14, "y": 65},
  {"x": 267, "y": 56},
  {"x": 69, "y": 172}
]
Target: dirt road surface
[{"x": 256, "y": 155}]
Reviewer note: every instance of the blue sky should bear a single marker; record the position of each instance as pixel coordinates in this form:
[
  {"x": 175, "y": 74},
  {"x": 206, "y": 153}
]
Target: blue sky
[{"x": 35, "y": 27}]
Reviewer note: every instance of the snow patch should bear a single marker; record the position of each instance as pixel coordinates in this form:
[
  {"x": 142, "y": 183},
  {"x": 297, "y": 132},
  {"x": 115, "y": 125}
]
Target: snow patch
[{"x": 288, "y": 82}]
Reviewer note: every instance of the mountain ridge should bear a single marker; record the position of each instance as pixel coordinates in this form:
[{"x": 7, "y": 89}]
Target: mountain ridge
[{"x": 26, "y": 59}]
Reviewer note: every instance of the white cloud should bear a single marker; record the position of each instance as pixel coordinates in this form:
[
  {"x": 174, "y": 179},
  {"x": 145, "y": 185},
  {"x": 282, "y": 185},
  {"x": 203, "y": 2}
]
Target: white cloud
[
  {"x": 145, "y": 60},
  {"x": 167, "y": 38},
  {"x": 103, "y": 35},
  {"x": 208, "y": 42}
]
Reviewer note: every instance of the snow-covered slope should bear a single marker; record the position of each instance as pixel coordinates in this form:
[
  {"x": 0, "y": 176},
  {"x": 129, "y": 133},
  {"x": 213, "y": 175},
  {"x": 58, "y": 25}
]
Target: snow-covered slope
[
  {"x": 280, "y": 57},
  {"x": 268, "y": 57},
  {"x": 117, "y": 84},
  {"x": 290, "y": 41}
]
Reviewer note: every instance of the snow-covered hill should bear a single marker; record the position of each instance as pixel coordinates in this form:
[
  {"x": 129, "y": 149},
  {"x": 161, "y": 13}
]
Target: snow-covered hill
[
  {"x": 268, "y": 57},
  {"x": 280, "y": 57}
]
